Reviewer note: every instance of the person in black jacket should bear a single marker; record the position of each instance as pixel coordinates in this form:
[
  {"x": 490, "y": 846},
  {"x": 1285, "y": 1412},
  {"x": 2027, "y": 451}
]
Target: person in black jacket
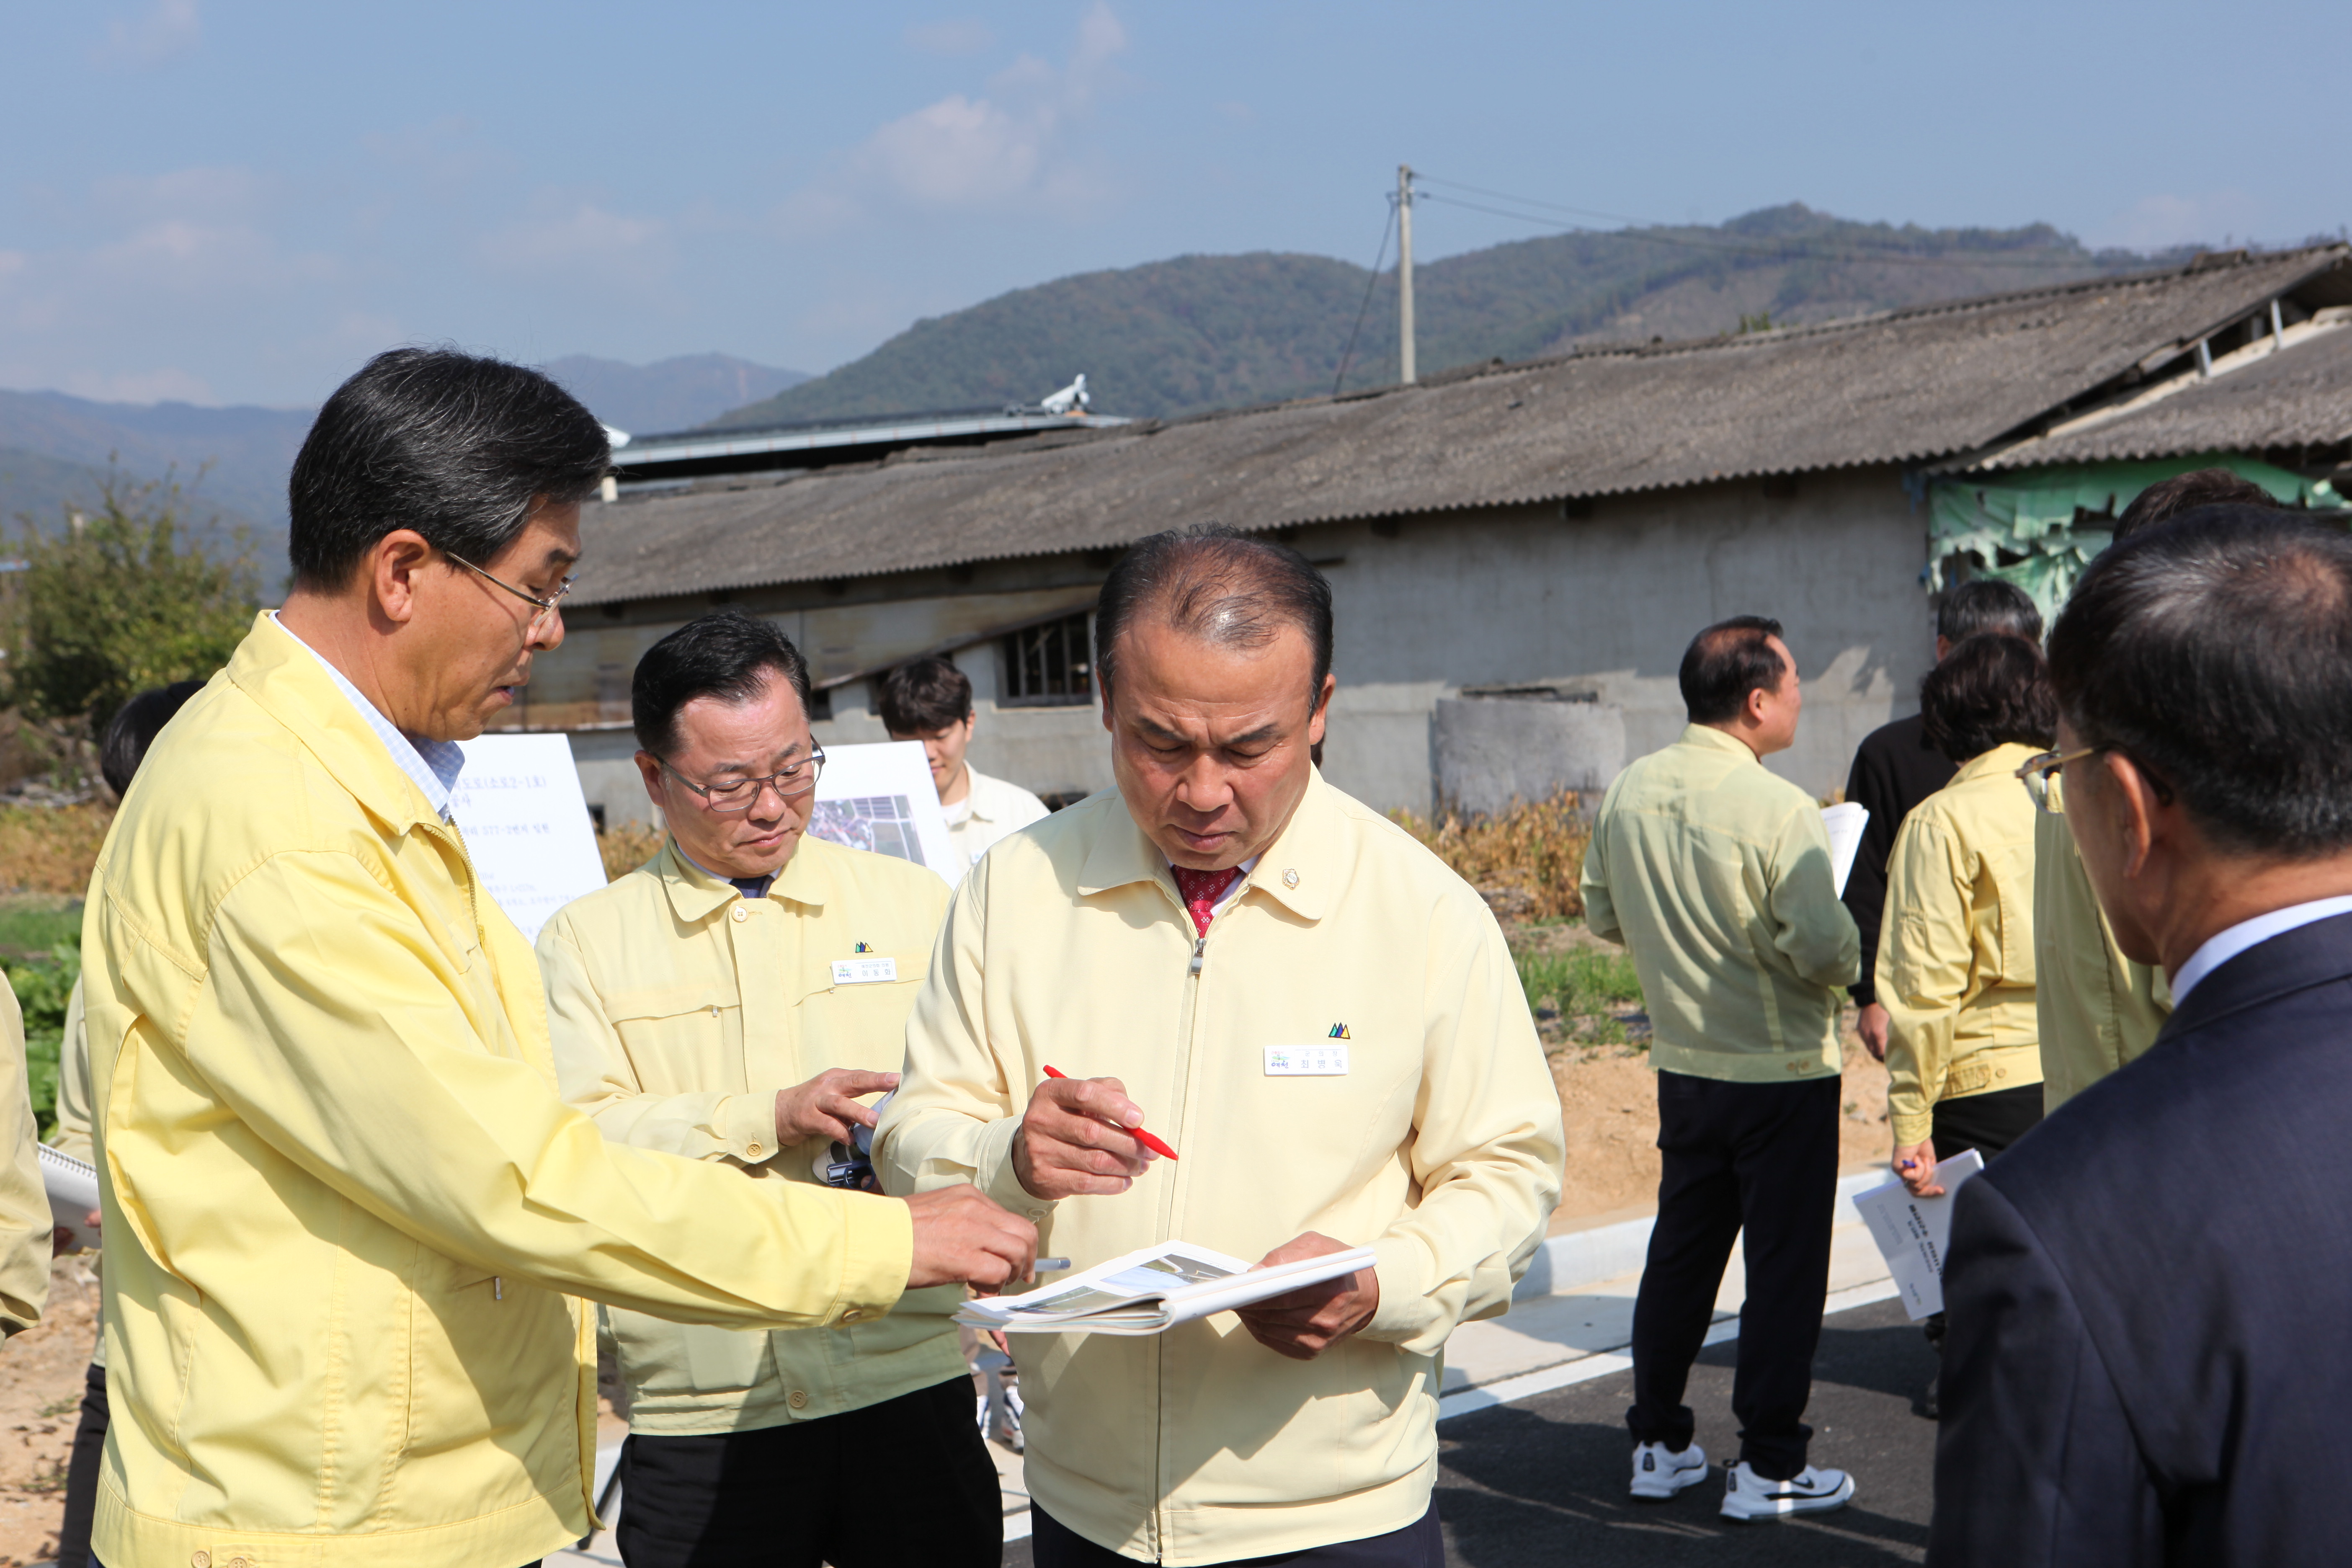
[
  {"x": 1894, "y": 769},
  {"x": 2149, "y": 1292}
]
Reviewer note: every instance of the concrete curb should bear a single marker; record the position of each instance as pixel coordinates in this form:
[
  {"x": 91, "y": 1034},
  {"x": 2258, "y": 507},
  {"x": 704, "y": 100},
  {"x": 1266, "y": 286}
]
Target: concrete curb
[{"x": 1580, "y": 1258}]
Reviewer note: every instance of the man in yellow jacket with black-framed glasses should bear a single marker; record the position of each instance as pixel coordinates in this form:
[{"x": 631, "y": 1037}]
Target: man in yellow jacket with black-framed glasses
[{"x": 347, "y": 1215}]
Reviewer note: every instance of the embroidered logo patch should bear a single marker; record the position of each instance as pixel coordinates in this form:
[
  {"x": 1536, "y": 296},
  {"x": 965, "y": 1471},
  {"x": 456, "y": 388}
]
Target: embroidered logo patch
[{"x": 1339, "y": 1032}]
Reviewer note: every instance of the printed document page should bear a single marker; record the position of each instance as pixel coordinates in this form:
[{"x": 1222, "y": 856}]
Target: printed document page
[
  {"x": 1914, "y": 1233},
  {"x": 1154, "y": 1289},
  {"x": 1845, "y": 822}
]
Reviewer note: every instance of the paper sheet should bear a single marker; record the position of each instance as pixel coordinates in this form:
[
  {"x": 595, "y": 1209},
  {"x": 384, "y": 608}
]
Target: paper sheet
[
  {"x": 1845, "y": 822},
  {"x": 879, "y": 797},
  {"x": 1915, "y": 1234},
  {"x": 73, "y": 1193},
  {"x": 1151, "y": 1290},
  {"x": 526, "y": 825}
]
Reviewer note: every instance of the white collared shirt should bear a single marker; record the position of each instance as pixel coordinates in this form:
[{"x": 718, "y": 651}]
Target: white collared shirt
[
  {"x": 990, "y": 810},
  {"x": 2225, "y": 945},
  {"x": 434, "y": 765}
]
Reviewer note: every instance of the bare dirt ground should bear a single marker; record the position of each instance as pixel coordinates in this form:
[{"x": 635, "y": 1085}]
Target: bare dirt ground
[
  {"x": 40, "y": 1397},
  {"x": 1609, "y": 1102}
]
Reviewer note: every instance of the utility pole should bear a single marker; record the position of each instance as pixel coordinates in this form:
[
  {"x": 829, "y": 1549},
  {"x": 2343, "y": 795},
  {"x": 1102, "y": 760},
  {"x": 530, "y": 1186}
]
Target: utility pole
[{"x": 1404, "y": 273}]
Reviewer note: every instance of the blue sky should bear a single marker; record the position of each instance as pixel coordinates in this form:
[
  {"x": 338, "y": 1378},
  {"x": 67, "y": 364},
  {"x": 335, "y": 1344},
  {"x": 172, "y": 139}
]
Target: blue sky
[{"x": 232, "y": 201}]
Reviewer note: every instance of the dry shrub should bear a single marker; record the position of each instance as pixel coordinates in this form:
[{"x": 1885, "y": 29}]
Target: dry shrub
[
  {"x": 1524, "y": 863},
  {"x": 626, "y": 847},
  {"x": 50, "y": 849}
]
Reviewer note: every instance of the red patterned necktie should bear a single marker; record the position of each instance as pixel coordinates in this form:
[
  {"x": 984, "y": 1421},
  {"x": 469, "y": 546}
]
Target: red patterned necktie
[{"x": 1201, "y": 890}]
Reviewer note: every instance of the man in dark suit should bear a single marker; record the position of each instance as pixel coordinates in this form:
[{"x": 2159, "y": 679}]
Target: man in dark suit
[
  {"x": 1894, "y": 769},
  {"x": 2149, "y": 1292}
]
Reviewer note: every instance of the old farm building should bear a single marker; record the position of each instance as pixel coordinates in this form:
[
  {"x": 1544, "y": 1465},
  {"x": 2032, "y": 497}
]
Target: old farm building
[{"x": 1555, "y": 529}]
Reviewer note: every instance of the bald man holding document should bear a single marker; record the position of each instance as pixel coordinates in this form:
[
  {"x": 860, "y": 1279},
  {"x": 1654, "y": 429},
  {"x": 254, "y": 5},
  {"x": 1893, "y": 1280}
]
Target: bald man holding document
[{"x": 1318, "y": 1019}]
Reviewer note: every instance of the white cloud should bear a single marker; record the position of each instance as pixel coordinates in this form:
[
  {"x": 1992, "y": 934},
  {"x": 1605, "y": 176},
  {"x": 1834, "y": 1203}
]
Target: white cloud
[
  {"x": 168, "y": 384},
  {"x": 1016, "y": 145},
  {"x": 209, "y": 193},
  {"x": 577, "y": 238},
  {"x": 164, "y": 31},
  {"x": 962, "y": 36},
  {"x": 2154, "y": 222}
]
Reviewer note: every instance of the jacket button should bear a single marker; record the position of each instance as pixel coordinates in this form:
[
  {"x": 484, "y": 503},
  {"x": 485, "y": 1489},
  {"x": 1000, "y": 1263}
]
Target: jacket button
[
  {"x": 796, "y": 1399},
  {"x": 236, "y": 1562},
  {"x": 742, "y": 912},
  {"x": 757, "y": 1149},
  {"x": 852, "y": 1315},
  {"x": 201, "y": 1560},
  {"x": 2000, "y": 1072}
]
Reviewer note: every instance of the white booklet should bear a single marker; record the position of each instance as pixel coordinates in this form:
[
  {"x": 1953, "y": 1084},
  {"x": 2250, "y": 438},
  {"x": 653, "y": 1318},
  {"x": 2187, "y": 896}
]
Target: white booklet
[
  {"x": 73, "y": 1193},
  {"x": 1915, "y": 1234},
  {"x": 1154, "y": 1289},
  {"x": 1845, "y": 822}
]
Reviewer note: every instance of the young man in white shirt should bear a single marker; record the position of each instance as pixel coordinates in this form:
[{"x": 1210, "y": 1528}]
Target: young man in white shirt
[{"x": 929, "y": 699}]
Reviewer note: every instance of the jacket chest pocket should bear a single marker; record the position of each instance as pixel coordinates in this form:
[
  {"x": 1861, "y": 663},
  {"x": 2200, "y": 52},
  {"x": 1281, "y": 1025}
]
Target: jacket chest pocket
[
  {"x": 677, "y": 1036},
  {"x": 858, "y": 1020}
]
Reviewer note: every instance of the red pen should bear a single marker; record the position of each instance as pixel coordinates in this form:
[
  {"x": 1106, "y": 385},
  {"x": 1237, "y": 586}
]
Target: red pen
[{"x": 1137, "y": 1133}]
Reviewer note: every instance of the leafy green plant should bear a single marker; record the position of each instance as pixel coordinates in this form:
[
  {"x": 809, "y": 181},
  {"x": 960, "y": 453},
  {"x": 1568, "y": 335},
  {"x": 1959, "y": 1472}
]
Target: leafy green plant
[
  {"x": 1580, "y": 982},
  {"x": 119, "y": 600},
  {"x": 43, "y": 988}
]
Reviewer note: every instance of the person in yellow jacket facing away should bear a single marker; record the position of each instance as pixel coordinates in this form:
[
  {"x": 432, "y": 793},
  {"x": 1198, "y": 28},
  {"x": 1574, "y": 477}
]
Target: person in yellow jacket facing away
[
  {"x": 348, "y": 1218},
  {"x": 733, "y": 1000},
  {"x": 1956, "y": 959}
]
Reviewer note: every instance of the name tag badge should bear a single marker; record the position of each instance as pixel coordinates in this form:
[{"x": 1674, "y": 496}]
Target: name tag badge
[
  {"x": 864, "y": 970},
  {"x": 1306, "y": 1061}
]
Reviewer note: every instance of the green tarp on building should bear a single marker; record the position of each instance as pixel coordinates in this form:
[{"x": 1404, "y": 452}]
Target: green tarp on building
[{"x": 2038, "y": 528}]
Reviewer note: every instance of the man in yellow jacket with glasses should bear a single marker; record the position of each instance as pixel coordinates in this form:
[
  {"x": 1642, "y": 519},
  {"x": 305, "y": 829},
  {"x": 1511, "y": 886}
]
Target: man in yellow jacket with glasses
[
  {"x": 346, "y": 1214},
  {"x": 733, "y": 1000}
]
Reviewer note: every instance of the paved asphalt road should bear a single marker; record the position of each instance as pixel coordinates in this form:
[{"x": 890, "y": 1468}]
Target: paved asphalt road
[{"x": 1542, "y": 1482}]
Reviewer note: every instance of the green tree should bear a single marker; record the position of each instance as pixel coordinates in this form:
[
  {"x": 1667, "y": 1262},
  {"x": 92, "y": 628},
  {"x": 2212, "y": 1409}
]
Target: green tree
[{"x": 117, "y": 600}]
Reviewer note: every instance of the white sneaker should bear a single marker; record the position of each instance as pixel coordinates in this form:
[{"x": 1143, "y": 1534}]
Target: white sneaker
[
  {"x": 1659, "y": 1472},
  {"x": 1747, "y": 1495}
]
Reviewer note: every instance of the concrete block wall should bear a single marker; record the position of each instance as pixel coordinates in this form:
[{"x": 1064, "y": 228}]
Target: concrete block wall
[{"x": 1605, "y": 601}]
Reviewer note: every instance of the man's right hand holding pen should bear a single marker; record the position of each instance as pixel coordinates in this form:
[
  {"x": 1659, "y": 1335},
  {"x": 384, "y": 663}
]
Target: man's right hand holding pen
[{"x": 1069, "y": 1144}]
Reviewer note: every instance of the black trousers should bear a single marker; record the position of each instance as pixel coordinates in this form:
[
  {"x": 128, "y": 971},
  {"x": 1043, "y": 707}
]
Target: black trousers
[
  {"x": 1758, "y": 1158},
  {"x": 81, "y": 1472},
  {"x": 1988, "y": 1122},
  {"x": 905, "y": 1481},
  {"x": 1418, "y": 1545}
]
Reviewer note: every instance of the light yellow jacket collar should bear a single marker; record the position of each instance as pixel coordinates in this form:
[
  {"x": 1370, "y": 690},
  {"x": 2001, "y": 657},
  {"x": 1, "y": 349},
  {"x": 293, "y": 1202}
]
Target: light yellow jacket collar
[
  {"x": 287, "y": 680},
  {"x": 1309, "y": 845},
  {"x": 1709, "y": 736},
  {"x": 2005, "y": 758},
  {"x": 695, "y": 894}
]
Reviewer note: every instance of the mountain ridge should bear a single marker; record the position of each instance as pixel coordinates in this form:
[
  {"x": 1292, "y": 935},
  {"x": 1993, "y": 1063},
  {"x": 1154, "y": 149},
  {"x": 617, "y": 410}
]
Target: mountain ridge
[{"x": 1195, "y": 332}]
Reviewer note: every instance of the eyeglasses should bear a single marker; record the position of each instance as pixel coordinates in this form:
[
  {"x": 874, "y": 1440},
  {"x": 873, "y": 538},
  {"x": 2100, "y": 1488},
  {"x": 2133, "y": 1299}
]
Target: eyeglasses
[
  {"x": 734, "y": 799},
  {"x": 543, "y": 608},
  {"x": 2039, "y": 774}
]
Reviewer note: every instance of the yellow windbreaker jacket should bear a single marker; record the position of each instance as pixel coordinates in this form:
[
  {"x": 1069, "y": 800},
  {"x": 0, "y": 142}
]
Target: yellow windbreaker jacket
[
  {"x": 2095, "y": 1008},
  {"x": 1715, "y": 873},
  {"x": 1439, "y": 1146},
  {"x": 344, "y": 1207},
  {"x": 24, "y": 1222},
  {"x": 678, "y": 1009},
  {"x": 1955, "y": 963}
]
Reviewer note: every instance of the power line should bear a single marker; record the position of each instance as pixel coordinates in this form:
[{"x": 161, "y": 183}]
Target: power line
[
  {"x": 1387, "y": 225},
  {"x": 1796, "y": 250}
]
